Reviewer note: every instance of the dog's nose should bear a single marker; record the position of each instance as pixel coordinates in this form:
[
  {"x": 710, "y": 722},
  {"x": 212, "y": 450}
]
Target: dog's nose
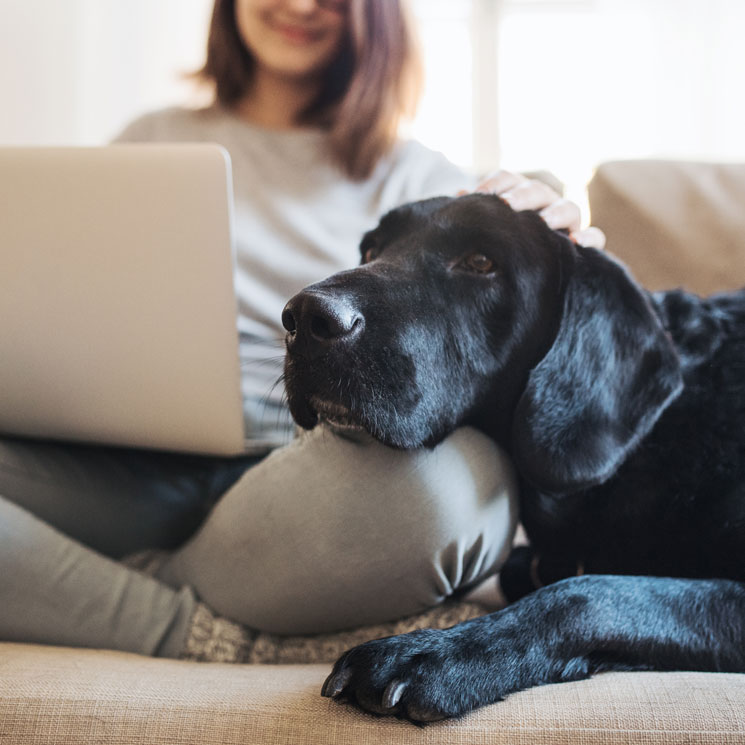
[{"x": 318, "y": 320}]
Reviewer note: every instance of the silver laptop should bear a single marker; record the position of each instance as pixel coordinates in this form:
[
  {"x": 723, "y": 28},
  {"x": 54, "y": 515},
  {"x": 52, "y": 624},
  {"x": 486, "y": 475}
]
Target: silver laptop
[{"x": 117, "y": 308}]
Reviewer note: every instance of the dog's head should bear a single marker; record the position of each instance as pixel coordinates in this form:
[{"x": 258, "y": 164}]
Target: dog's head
[{"x": 466, "y": 312}]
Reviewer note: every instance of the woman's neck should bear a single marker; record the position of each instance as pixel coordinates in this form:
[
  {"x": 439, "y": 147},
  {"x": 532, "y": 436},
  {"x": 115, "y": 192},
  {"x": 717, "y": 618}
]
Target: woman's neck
[{"x": 276, "y": 102}]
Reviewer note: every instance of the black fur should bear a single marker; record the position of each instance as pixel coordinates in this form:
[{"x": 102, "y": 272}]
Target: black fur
[{"x": 623, "y": 411}]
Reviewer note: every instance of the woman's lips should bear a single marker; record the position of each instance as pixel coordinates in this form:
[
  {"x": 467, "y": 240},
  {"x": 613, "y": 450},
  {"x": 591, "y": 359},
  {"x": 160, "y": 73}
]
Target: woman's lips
[{"x": 297, "y": 34}]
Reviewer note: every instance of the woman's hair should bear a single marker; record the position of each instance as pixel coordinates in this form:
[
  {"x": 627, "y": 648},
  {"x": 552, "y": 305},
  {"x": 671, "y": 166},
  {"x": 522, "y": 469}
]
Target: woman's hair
[{"x": 372, "y": 83}]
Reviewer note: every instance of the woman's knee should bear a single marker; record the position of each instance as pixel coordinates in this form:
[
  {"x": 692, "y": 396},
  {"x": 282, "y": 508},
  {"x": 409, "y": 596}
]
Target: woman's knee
[
  {"x": 415, "y": 526},
  {"x": 463, "y": 516},
  {"x": 454, "y": 504}
]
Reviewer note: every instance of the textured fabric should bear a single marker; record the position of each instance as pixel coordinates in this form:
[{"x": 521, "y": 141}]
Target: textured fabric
[
  {"x": 51, "y": 696},
  {"x": 674, "y": 224},
  {"x": 214, "y": 639},
  {"x": 298, "y": 219},
  {"x": 211, "y": 638}
]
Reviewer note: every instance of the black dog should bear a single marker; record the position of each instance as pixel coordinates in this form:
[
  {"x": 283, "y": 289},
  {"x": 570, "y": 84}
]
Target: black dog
[{"x": 624, "y": 413}]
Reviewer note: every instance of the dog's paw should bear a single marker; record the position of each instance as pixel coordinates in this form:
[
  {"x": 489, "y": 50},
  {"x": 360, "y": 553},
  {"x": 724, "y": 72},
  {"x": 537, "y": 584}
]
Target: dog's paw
[{"x": 423, "y": 676}]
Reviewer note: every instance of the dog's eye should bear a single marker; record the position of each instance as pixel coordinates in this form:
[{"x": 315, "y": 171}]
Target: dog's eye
[
  {"x": 369, "y": 255},
  {"x": 477, "y": 262}
]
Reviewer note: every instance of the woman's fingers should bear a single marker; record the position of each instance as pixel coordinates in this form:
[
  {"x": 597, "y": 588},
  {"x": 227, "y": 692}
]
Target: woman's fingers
[
  {"x": 500, "y": 182},
  {"x": 590, "y": 237},
  {"x": 530, "y": 195},
  {"x": 522, "y": 193},
  {"x": 562, "y": 215}
]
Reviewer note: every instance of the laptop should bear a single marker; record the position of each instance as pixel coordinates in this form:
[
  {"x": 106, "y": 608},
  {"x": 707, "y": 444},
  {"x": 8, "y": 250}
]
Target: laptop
[{"x": 118, "y": 317}]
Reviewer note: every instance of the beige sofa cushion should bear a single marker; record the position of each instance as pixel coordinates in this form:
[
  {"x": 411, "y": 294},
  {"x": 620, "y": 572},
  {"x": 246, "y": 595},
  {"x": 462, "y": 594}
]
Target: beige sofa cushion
[
  {"x": 54, "y": 695},
  {"x": 674, "y": 223}
]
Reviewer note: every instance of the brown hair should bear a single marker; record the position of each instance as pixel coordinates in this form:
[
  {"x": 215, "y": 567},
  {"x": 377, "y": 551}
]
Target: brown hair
[{"x": 372, "y": 83}]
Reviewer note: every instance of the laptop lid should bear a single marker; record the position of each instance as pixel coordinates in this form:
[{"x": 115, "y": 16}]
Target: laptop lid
[{"x": 117, "y": 308}]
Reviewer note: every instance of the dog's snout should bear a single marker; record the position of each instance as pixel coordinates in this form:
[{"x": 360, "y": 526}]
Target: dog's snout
[{"x": 318, "y": 320}]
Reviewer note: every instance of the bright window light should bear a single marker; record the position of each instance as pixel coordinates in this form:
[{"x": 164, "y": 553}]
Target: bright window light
[{"x": 578, "y": 82}]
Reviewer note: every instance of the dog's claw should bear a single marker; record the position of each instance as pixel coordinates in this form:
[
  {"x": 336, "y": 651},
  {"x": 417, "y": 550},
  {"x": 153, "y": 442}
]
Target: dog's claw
[
  {"x": 392, "y": 694},
  {"x": 336, "y": 683}
]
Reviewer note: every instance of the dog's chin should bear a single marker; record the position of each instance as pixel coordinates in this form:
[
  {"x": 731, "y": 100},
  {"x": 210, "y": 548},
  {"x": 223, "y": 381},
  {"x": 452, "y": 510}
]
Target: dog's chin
[
  {"x": 335, "y": 415},
  {"x": 316, "y": 410}
]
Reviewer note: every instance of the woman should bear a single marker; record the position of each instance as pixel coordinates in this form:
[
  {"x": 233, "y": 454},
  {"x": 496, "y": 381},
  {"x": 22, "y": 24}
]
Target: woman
[{"x": 326, "y": 532}]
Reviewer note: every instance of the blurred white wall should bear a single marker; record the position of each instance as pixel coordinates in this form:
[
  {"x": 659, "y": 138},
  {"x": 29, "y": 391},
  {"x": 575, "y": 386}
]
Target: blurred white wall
[{"x": 75, "y": 71}]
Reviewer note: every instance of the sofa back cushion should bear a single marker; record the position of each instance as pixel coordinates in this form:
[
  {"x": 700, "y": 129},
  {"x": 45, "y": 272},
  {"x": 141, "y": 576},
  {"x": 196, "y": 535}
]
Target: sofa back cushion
[{"x": 674, "y": 224}]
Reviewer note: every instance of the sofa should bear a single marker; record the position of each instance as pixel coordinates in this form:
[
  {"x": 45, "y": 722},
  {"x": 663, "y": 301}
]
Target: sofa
[{"x": 673, "y": 224}]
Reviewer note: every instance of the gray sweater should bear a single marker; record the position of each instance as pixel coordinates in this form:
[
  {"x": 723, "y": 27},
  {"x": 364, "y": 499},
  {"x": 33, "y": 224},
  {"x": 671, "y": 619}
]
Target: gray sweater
[{"x": 298, "y": 219}]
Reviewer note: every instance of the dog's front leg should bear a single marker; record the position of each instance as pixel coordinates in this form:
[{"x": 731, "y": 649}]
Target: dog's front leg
[{"x": 563, "y": 632}]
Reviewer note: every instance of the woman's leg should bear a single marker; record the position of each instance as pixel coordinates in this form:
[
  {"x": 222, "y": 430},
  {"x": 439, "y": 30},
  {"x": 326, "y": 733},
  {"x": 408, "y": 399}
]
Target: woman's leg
[
  {"x": 54, "y": 590},
  {"x": 114, "y": 500},
  {"x": 329, "y": 533},
  {"x": 332, "y": 532}
]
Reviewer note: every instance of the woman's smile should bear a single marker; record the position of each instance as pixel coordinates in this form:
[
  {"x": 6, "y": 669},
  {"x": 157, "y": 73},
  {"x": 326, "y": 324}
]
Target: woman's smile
[
  {"x": 289, "y": 40},
  {"x": 297, "y": 34}
]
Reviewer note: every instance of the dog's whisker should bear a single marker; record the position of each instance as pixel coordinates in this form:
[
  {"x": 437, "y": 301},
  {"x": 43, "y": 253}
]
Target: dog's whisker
[{"x": 273, "y": 361}]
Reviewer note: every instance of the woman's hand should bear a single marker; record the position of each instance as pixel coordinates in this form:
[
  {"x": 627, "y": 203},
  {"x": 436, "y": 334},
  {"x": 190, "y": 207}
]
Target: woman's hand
[{"x": 523, "y": 193}]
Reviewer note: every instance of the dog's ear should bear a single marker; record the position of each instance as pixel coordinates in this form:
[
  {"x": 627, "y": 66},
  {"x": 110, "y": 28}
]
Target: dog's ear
[{"x": 607, "y": 377}]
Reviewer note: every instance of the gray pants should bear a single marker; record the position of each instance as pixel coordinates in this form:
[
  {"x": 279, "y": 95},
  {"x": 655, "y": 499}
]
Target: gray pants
[{"x": 323, "y": 534}]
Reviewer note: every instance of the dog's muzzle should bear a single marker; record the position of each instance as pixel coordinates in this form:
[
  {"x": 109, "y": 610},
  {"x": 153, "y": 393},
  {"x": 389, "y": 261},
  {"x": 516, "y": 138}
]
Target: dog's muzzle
[{"x": 321, "y": 326}]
